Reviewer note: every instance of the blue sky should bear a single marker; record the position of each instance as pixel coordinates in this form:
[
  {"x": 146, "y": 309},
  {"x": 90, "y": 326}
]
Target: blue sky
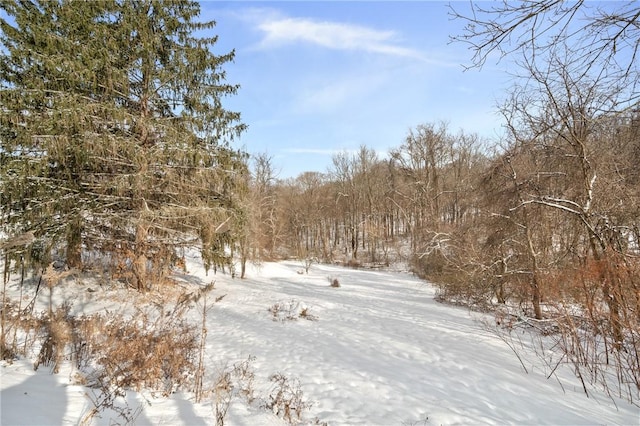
[{"x": 318, "y": 78}]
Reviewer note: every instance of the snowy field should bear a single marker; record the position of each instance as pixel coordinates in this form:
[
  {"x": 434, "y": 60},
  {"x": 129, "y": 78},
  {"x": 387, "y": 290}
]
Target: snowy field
[{"x": 378, "y": 350}]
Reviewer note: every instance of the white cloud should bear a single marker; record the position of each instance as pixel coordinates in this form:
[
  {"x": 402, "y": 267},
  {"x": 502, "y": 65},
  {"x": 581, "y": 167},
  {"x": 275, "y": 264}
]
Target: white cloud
[{"x": 279, "y": 31}]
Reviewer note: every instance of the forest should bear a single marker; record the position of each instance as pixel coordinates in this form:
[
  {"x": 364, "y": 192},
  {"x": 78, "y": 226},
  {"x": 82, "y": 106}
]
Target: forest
[{"x": 117, "y": 155}]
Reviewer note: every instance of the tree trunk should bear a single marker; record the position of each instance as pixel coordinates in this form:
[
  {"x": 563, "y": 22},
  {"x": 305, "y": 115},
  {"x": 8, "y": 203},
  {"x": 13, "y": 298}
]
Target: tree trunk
[
  {"x": 536, "y": 296},
  {"x": 612, "y": 291},
  {"x": 243, "y": 266},
  {"x": 74, "y": 244},
  {"x": 140, "y": 257}
]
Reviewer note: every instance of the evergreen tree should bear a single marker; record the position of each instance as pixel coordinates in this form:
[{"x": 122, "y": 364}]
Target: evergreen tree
[{"x": 113, "y": 132}]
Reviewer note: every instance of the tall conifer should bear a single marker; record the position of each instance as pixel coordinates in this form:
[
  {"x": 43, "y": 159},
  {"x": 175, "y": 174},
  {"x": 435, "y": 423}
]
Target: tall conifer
[{"x": 113, "y": 133}]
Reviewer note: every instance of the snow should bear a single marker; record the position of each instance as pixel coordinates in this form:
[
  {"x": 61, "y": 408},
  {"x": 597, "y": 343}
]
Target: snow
[{"x": 378, "y": 350}]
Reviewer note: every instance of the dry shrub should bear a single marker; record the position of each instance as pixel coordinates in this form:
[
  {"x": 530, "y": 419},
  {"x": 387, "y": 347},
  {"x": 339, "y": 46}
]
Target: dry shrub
[
  {"x": 11, "y": 323},
  {"x": 223, "y": 391},
  {"x": 58, "y": 334},
  {"x": 21, "y": 330},
  {"x": 142, "y": 352},
  {"x": 153, "y": 349},
  {"x": 473, "y": 288},
  {"x": 286, "y": 399},
  {"x": 449, "y": 261},
  {"x": 334, "y": 282},
  {"x": 592, "y": 317},
  {"x": 244, "y": 375},
  {"x": 291, "y": 311},
  {"x": 353, "y": 263},
  {"x": 236, "y": 381},
  {"x": 579, "y": 285},
  {"x": 602, "y": 339},
  {"x": 285, "y": 311},
  {"x": 154, "y": 352},
  {"x": 305, "y": 314},
  {"x": 58, "y": 324}
]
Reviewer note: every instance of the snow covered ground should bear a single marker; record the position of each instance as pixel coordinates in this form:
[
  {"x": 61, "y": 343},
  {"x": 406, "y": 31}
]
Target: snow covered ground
[{"x": 378, "y": 350}]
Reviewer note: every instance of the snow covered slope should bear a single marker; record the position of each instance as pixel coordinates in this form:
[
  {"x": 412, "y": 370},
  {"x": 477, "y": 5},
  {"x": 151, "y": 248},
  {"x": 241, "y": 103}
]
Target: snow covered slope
[{"x": 378, "y": 350}]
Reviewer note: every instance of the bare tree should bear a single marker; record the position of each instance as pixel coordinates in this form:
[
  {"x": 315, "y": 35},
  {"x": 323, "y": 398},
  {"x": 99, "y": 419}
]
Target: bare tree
[
  {"x": 258, "y": 240},
  {"x": 569, "y": 114},
  {"x": 602, "y": 36}
]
